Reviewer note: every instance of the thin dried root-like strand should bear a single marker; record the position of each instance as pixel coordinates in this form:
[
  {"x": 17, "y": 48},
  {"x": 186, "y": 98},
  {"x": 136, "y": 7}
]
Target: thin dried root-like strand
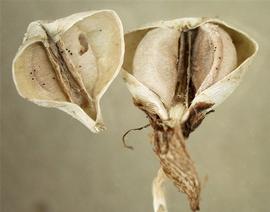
[
  {"x": 127, "y": 132},
  {"x": 159, "y": 200},
  {"x": 176, "y": 163}
]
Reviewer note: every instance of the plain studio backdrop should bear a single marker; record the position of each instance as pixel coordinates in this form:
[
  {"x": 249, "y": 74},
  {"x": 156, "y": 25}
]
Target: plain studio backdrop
[{"x": 52, "y": 163}]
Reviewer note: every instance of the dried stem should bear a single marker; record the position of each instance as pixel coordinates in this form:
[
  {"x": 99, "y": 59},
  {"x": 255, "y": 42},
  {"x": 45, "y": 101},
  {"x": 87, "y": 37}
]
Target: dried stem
[
  {"x": 169, "y": 145},
  {"x": 159, "y": 201}
]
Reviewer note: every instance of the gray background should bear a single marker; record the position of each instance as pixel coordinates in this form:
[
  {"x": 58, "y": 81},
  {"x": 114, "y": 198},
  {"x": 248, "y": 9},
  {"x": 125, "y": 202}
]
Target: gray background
[{"x": 52, "y": 163}]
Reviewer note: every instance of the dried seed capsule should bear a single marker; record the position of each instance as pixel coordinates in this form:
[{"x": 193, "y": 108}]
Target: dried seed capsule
[
  {"x": 53, "y": 51},
  {"x": 211, "y": 58}
]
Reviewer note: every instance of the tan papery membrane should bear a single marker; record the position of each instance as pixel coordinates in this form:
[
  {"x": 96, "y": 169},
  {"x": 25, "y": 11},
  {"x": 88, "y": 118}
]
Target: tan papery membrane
[
  {"x": 202, "y": 43},
  {"x": 69, "y": 63}
]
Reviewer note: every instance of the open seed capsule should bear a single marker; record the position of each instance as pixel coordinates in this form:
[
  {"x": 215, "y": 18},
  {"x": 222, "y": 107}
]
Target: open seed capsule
[
  {"x": 177, "y": 71},
  {"x": 69, "y": 63}
]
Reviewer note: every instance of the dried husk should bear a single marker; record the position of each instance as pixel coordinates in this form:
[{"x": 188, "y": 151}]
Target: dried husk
[
  {"x": 172, "y": 125},
  {"x": 88, "y": 47}
]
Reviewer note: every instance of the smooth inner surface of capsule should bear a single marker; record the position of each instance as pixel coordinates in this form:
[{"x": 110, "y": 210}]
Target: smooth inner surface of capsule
[{"x": 178, "y": 65}]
